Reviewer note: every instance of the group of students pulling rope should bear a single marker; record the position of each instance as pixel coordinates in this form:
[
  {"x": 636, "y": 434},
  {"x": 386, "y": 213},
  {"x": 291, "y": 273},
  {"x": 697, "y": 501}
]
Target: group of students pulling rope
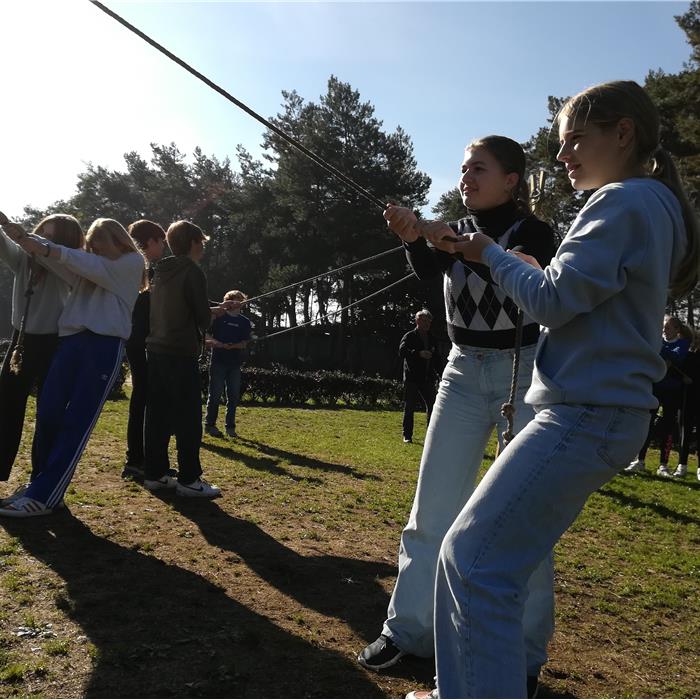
[{"x": 475, "y": 584}]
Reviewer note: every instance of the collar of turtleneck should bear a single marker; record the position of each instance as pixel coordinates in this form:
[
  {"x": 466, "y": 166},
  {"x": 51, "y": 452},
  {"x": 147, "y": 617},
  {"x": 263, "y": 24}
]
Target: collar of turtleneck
[{"x": 495, "y": 222}]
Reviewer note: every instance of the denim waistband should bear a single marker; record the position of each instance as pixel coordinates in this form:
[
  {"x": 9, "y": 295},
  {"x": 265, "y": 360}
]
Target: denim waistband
[
  {"x": 476, "y": 353},
  {"x": 470, "y": 352}
]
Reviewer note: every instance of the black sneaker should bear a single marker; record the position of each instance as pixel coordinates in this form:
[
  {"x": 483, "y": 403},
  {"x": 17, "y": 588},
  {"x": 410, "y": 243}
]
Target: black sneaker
[
  {"x": 380, "y": 654},
  {"x": 213, "y": 431},
  {"x": 532, "y": 685},
  {"x": 133, "y": 471}
]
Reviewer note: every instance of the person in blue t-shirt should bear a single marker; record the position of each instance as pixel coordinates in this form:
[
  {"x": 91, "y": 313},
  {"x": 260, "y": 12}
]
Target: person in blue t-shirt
[{"x": 228, "y": 339}]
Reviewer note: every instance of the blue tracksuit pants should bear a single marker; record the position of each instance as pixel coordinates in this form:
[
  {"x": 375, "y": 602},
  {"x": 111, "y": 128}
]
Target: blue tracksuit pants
[{"x": 80, "y": 378}]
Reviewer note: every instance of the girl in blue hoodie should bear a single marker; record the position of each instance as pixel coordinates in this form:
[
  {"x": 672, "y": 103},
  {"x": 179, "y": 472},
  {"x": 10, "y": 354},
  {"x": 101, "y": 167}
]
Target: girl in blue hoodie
[{"x": 601, "y": 302}]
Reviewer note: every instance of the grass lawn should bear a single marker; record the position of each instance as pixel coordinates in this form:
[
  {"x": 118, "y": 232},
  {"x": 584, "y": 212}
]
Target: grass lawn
[{"x": 273, "y": 589}]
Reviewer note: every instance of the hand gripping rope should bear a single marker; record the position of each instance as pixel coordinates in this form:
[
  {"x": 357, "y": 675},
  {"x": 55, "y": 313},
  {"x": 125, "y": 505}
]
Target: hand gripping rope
[{"x": 18, "y": 352}]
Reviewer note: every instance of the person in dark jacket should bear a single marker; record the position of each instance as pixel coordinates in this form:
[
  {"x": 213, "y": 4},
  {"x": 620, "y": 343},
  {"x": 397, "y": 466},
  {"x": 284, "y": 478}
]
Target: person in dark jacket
[
  {"x": 150, "y": 240},
  {"x": 418, "y": 350},
  {"x": 179, "y": 316}
]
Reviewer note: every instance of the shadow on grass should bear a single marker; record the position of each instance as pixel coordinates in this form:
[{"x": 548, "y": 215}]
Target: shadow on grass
[
  {"x": 161, "y": 631},
  {"x": 634, "y": 502},
  {"x": 277, "y": 455},
  {"x": 260, "y": 464},
  {"x": 339, "y": 587}
]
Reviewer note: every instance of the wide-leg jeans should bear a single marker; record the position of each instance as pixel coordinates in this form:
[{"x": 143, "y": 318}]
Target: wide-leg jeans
[
  {"x": 475, "y": 384},
  {"x": 525, "y": 502}
]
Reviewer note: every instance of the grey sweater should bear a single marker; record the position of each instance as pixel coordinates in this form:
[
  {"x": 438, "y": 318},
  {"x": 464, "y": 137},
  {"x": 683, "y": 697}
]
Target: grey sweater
[
  {"x": 602, "y": 298},
  {"x": 48, "y": 299}
]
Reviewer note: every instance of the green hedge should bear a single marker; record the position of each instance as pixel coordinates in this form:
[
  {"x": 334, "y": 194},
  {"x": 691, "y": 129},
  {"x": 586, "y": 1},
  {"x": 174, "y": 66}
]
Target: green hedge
[{"x": 279, "y": 385}]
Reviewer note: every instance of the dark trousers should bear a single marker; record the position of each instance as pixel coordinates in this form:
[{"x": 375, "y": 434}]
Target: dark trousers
[
  {"x": 173, "y": 406},
  {"x": 664, "y": 427},
  {"x": 412, "y": 392},
  {"x": 136, "y": 354},
  {"x": 15, "y": 389},
  {"x": 691, "y": 420}
]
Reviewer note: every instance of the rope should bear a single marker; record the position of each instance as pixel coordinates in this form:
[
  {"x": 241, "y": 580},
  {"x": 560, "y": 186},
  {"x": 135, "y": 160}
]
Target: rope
[
  {"x": 336, "y": 312},
  {"x": 508, "y": 408},
  {"x": 324, "y": 274},
  {"x": 18, "y": 352},
  {"x": 332, "y": 170}
]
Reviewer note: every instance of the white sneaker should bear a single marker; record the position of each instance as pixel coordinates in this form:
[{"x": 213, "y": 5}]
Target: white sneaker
[
  {"x": 165, "y": 482},
  {"x": 681, "y": 470},
  {"x": 637, "y": 466},
  {"x": 663, "y": 470},
  {"x": 197, "y": 489},
  {"x": 698, "y": 473},
  {"x": 19, "y": 493},
  {"x": 24, "y": 507}
]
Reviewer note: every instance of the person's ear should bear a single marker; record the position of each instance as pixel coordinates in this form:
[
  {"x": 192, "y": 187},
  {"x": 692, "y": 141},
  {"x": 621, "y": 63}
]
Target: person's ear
[
  {"x": 511, "y": 182},
  {"x": 626, "y": 131}
]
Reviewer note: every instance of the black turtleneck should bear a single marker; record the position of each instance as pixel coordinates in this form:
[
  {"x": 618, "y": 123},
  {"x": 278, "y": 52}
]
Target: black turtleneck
[
  {"x": 478, "y": 312},
  {"x": 492, "y": 222}
]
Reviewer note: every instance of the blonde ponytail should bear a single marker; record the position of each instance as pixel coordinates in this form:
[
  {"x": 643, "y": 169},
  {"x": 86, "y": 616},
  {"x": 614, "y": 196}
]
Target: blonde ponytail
[{"x": 664, "y": 170}]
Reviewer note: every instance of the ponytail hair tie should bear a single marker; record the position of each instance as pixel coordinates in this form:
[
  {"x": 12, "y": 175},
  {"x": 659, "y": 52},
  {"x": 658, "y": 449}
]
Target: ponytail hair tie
[{"x": 660, "y": 160}]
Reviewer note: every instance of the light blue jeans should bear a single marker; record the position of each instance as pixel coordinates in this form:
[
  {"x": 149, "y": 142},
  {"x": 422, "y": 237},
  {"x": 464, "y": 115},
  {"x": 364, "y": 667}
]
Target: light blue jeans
[
  {"x": 528, "y": 498},
  {"x": 222, "y": 375},
  {"x": 475, "y": 384}
]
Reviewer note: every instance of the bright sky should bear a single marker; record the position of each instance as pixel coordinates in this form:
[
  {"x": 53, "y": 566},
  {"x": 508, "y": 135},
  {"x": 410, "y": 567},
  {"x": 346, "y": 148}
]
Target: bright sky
[{"x": 77, "y": 87}]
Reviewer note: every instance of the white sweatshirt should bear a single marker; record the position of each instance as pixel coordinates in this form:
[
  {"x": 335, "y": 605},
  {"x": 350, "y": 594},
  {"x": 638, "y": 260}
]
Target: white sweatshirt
[{"x": 104, "y": 291}]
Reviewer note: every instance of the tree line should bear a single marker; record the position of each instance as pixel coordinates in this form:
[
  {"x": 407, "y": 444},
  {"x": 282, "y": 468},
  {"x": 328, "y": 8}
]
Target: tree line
[{"x": 282, "y": 219}]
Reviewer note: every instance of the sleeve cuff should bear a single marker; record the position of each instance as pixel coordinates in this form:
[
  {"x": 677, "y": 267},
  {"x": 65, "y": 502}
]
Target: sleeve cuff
[{"x": 492, "y": 254}]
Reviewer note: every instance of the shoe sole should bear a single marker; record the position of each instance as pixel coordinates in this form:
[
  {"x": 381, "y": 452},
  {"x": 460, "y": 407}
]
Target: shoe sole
[
  {"x": 380, "y": 667},
  {"x": 189, "y": 493},
  {"x": 23, "y": 513},
  {"x": 159, "y": 487}
]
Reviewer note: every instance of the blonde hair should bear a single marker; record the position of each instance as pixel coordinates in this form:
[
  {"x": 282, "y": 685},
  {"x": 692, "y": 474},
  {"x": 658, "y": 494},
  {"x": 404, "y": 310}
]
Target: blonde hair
[
  {"x": 235, "y": 294},
  {"x": 114, "y": 230},
  {"x": 101, "y": 228},
  {"x": 607, "y": 103}
]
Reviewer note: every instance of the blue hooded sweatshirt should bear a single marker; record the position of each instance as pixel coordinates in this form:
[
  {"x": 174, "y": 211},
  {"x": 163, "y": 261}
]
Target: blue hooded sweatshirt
[{"x": 602, "y": 298}]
